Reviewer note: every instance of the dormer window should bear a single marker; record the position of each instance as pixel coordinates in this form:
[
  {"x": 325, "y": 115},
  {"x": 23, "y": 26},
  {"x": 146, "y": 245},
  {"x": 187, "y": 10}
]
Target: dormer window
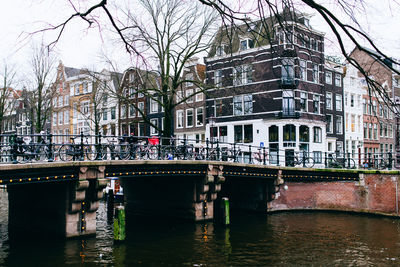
[
  {"x": 246, "y": 44},
  {"x": 220, "y": 50},
  {"x": 131, "y": 77}
]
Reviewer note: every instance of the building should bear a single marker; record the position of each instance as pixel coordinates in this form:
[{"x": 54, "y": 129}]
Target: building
[
  {"x": 353, "y": 106},
  {"x": 190, "y": 115},
  {"x": 379, "y": 122},
  {"x": 268, "y": 92},
  {"x": 334, "y": 107}
]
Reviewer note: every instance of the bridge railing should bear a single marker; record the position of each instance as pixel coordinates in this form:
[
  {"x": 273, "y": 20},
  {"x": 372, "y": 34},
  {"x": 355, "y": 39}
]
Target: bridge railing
[{"x": 47, "y": 147}]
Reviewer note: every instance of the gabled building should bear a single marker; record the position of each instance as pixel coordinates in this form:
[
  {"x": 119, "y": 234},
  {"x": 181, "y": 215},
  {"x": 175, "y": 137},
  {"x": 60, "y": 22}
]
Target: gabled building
[
  {"x": 379, "y": 122},
  {"x": 334, "y": 107},
  {"x": 268, "y": 91},
  {"x": 190, "y": 115}
]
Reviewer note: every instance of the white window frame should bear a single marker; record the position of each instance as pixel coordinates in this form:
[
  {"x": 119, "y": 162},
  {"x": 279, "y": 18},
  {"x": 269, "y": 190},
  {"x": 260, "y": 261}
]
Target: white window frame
[
  {"x": 338, "y": 102},
  {"x": 328, "y": 104},
  {"x": 338, "y": 80},
  {"x": 328, "y": 77},
  {"x": 199, "y": 95},
  {"x": 199, "y": 123},
  {"x": 179, "y": 119},
  {"x": 153, "y": 130},
  {"x": 187, "y": 118},
  {"x": 153, "y": 106},
  {"x": 189, "y": 99}
]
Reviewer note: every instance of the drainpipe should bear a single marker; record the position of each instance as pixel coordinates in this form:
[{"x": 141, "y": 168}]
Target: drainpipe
[{"x": 397, "y": 198}]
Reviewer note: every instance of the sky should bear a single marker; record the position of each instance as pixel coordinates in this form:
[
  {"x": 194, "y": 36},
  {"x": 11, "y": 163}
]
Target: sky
[{"x": 82, "y": 48}]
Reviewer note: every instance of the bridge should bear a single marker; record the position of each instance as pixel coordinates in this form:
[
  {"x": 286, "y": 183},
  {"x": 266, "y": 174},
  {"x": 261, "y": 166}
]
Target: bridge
[{"x": 62, "y": 197}]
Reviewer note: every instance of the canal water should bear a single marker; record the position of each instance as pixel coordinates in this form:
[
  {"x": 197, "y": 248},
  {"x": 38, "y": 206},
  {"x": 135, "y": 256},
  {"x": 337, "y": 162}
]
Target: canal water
[{"x": 278, "y": 239}]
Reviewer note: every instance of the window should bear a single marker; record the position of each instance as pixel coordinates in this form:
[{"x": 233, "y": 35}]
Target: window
[
  {"x": 189, "y": 118},
  {"x": 338, "y": 80},
  {"x": 365, "y": 131},
  {"x": 316, "y": 99},
  {"x": 140, "y": 108},
  {"x": 220, "y": 51},
  {"x": 376, "y": 131},
  {"x": 303, "y": 70},
  {"x": 223, "y": 134},
  {"x": 242, "y": 74},
  {"x": 66, "y": 117},
  {"x": 199, "y": 95},
  {"x": 105, "y": 114},
  {"x": 374, "y": 108},
  {"x": 66, "y": 100},
  {"x": 288, "y": 103},
  {"x": 85, "y": 87},
  {"x": 76, "y": 87},
  {"x": 75, "y": 109},
  {"x": 179, "y": 96},
  {"x": 113, "y": 113},
  {"x": 54, "y": 118},
  {"x": 351, "y": 100},
  {"x": 317, "y": 156},
  {"x": 189, "y": 79},
  {"x": 85, "y": 107},
  {"x": 289, "y": 135},
  {"x": 199, "y": 116},
  {"x": 218, "y": 107},
  {"x": 287, "y": 71},
  {"x": 60, "y": 117},
  {"x": 132, "y": 111},
  {"x": 304, "y": 134},
  {"x": 153, "y": 126},
  {"x": 179, "y": 119},
  {"x": 315, "y": 73},
  {"x": 338, "y": 103},
  {"x": 303, "y": 101},
  {"x": 313, "y": 44},
  {"x": 328, "y": 77},
  {"x": 153, "y": 106},
  {"x": 123, "y": 112},
  {"x": 339, "y": 124},
  {"x": 390, "y": 131},
  {"x": 317, "y": 135},
  {"x": 353, "y": 123},
  {"x": 328, "y": 100},
  {"x": 189, "y": 95},
  {"x": 370, "y": 131},
  {"x": 243, "y": 133},
  {"x": 218, "y": 77},
  {"x": 131, "y": 77},
  {"x": 246, "y": 44},
  {"x": 60, "y": 101},
  {"x": 273, "y": 134},
  {"x": 242, "y": 105},
  {"x": 329, "y": 123}
]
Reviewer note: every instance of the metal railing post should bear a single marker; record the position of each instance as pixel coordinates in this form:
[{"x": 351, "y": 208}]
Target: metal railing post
[
  {"x": 184, "y": 148},
  {"x": 251, "y": 160},
  {"x": 50, "y": 155},
  {"x": 369, "y": 160},
  {"x": 14, "y": 148},
  {"x": 277, "y": 157},
  {"x": 81, "y": 155},
  {"x": 234, "y": 152},
  {"x": 304, "y": 158},
  {"x": 207, "y": 143},
  {"x": 264, "y": 161},
  {"x": 159, "y": 148},
  {"x": 99, "y": 155},
  {"x": 348, "y": 160},
  {"x": 326, "y": 160},
  {"x": 218, "y": 150},
  {"x": 390, "y": 161}
]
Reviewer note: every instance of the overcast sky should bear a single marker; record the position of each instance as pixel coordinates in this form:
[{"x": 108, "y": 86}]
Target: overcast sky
[{"x": 79, "y": 47}]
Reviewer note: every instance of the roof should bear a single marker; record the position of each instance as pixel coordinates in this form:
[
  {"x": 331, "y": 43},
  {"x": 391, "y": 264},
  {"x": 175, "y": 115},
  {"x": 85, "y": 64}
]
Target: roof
[{"x": 70, "y": 72}]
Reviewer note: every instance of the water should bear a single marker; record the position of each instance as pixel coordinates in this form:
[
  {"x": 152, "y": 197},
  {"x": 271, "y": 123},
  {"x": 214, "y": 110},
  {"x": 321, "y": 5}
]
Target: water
[{"x": 279, "y": 239}]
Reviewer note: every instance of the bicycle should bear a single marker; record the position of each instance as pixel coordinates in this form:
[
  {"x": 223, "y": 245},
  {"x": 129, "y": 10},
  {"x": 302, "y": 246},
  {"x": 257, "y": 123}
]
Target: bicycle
[
  {"x": 335, "y": 162},
  {"x": 302, "y": 161},
  {"x": 73, "y": 151}
]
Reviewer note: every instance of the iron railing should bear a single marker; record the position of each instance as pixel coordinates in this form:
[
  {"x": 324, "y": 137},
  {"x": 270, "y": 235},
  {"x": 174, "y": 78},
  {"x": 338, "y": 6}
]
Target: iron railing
[{"x": 49, "y": 148}]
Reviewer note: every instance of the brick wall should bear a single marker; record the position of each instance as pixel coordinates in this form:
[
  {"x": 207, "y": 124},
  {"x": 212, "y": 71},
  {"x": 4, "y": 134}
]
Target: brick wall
[{"x": 374, "y": 193}]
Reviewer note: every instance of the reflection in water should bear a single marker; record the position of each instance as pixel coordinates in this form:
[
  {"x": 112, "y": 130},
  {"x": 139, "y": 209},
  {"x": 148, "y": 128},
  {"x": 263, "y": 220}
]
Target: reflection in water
[{"x": 279, "y": 239}]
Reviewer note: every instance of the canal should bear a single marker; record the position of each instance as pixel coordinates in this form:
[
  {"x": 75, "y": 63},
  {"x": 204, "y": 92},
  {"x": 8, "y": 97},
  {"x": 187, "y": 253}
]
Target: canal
[{"x": 279, "y": 239}]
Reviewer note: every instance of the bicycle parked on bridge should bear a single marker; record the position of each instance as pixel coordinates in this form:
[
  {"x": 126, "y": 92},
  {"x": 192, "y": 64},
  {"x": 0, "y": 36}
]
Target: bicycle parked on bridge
[
  {"x": 334, "y": 161},
  {"x": 74, "y": 151},
  {"x": 300, "y": 160}
]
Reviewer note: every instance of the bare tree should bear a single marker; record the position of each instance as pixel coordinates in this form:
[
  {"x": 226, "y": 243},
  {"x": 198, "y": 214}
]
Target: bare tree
[
  {"x": 8, "y": 94},
  {"x": 40, "y": 92}
]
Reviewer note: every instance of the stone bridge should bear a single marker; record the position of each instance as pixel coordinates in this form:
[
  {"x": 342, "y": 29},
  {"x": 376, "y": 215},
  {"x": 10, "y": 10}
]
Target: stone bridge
[{"x": 62, "y": 198}]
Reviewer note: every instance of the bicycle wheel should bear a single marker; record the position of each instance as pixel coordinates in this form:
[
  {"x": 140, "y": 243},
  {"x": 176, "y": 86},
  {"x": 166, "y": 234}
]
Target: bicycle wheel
[
  {"x": 309, "y": 162},
  {"x": 123, "y": 151},
  {"x": 167, "y": 153},
  {"x": 153, "y": 152},
  {"x": 89, "y": 152},
  {"x": 66, "y": 153},
  {"x": 350, "y": 163}
]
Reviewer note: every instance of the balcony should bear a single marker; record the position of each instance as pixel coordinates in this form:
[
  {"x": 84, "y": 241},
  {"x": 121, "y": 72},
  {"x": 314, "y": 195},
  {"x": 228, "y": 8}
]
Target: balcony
[
  {"x": 288, "y": 113},
  {"x": 288, "y": 82}
]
